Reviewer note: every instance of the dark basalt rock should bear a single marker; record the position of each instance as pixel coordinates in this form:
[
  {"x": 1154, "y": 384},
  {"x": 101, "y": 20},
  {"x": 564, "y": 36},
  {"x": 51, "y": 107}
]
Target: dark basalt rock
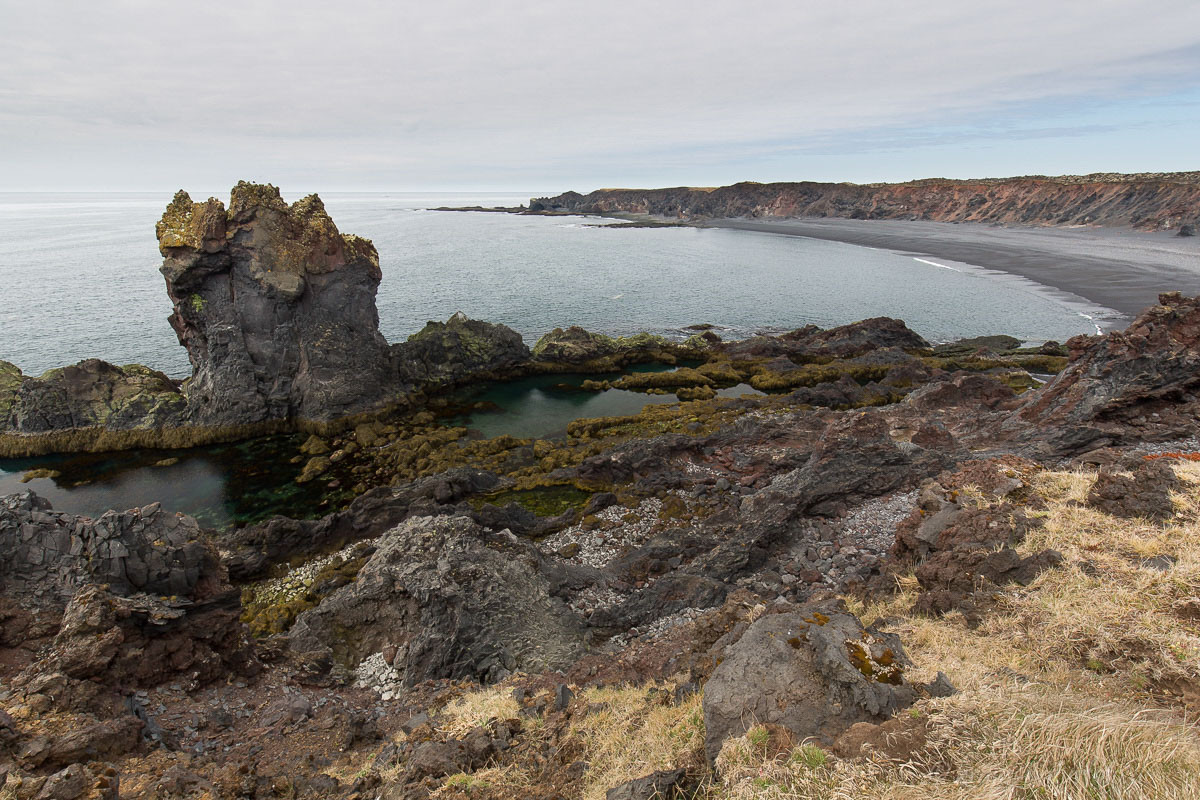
[
  {"x": 276, "y": 309},
  {"x": 92, "y": 393},
  {"x": 444, "y": 352},
  {"x": 1146, "y": 493},
  {"x": 51, "y": 555},
  {"x": 963, "y": 554},
  {"x": 846, "y": 341},
  {"x": 1112, "y": 383},
  {"x": 815, "y": 671},
  {"x": 252, "y": 550},
  {"x": 855, "y": 459},
  {"x": 454, "y": 600},
  {"x": 114, "y": 590}
]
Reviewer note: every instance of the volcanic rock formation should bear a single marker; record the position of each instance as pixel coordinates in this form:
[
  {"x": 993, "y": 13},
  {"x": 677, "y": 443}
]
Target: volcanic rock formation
[{"x": 276, "y": 309}]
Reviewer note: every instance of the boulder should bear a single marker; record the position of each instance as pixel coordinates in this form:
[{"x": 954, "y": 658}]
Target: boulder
[
  {"x": 442, "y": 353},
  {"x": 814, "y": 671},
  {"x": 92, "y": 393},
  {"x": 846, "y": 341},
  {"x": 276, "y": 309},
  {"x": 1145, "y": 493},
  {"x": 454, "y": 600}
]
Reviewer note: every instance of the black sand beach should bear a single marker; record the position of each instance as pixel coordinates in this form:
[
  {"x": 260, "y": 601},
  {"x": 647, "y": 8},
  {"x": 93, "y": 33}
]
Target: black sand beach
[{"x": 1121, "y": 269}]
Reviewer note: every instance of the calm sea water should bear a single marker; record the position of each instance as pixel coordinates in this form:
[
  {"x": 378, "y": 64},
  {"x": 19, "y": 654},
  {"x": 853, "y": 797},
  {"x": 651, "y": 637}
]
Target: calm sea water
[{"x": 79, "y": 278}]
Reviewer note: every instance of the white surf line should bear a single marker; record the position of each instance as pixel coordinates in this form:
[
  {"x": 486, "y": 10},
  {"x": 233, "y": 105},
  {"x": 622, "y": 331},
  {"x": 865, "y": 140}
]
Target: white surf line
[
  {"x": 1099, "y": 332},
  {"x": 935, "y": 264}
]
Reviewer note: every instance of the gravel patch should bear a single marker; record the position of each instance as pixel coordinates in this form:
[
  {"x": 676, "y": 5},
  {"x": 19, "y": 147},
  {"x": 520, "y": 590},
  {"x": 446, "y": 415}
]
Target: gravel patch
[
  {"x": 599, "y": 546},
  {"x": 656, "y": 628}
]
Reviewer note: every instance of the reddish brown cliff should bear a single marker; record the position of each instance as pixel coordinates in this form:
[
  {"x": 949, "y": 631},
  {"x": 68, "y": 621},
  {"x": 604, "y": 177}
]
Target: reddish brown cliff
[{"x": 1147, "y": 201}]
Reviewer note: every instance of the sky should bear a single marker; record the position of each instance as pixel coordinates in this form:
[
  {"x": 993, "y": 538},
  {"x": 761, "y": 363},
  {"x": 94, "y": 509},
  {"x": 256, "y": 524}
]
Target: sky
[{"x": 131, "y": 95}]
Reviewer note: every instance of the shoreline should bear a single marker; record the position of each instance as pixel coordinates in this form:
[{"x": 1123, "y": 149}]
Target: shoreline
[{"x": 1119, "y": 269}]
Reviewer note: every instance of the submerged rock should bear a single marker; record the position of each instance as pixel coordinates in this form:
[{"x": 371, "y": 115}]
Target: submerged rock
[{"x": 276, "y": 309}]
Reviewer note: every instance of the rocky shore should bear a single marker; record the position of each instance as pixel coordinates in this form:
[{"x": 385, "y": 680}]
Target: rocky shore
[{"x": 892, "y": 569}]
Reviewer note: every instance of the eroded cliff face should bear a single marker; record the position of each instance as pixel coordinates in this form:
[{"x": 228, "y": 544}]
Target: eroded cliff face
[
  {"x": 276, "y": 309},
  {"x": 1146, "y": 201}
]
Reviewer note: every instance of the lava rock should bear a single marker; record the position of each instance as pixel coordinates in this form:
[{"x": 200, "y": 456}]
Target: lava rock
[{"x": 815, "y": 671}]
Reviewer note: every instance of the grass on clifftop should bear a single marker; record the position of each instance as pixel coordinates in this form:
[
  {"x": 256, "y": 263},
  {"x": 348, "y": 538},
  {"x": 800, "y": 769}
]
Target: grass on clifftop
[{"x": 1084, "y": 685}]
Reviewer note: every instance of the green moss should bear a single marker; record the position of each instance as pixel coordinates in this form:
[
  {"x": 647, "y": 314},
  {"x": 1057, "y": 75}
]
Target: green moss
[
  {"x": 272, "y": 607},
  {"x": 766, "y": 379},
  {"x": 10, "y": 383},
  {"x": 197, "y": 303},
  {"x": 545, "y": 501},
  {"x": 682, "y": 377}
]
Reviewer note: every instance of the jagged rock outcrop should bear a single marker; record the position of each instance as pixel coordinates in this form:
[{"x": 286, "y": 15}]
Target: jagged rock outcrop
[
  {"x": 122, "y": 586},
  {"x": 92, "y": 393},
  {"x": 1149, "y": 201},
  {"x": 452, "y": 600},
  {"x": 276, "y": 309},
  {"x": 444, "y": 352},
  {"x": 815, "y": 671},
  {"x": 47, "y": 556},
  {"x": 1141, "y": 383}
]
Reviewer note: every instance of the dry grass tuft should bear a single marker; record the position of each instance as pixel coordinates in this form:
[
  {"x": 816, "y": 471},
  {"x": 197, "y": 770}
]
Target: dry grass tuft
[
  {"x": 1068, "y": 688},
  {"x": 633, "y": 731},
  {"x": 477, "y": 709}
]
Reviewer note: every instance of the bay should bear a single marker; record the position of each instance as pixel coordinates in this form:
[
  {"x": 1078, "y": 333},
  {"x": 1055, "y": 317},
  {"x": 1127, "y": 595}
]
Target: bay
[{"x": 79, "y": 278}]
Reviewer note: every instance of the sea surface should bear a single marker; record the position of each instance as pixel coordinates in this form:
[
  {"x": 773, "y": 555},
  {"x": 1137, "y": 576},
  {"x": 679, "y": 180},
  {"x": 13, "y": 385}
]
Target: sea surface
[{"x": 79, "y": 278}]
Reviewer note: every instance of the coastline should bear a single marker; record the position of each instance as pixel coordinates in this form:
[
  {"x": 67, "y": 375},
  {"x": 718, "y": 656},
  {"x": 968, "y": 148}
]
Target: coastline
[{"x": 1112, "y": 267}]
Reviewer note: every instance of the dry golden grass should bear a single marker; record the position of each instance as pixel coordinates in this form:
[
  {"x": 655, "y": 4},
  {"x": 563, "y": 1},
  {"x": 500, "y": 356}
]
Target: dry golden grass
[
  {"x": 1056, "y": 685},
  {"x": 1062, "y": 686},
  {"x": 476, "y": 709},
  {"x": 631, "y": 733}
]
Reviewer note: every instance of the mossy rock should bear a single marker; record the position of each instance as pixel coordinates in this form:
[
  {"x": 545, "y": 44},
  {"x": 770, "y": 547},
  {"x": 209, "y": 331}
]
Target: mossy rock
[
  {"x": 316, "y": 466},
  {"x": 11, "y": 379},
  {"x": 682, "y": 377},
  {"x": 315, "y": 446}
]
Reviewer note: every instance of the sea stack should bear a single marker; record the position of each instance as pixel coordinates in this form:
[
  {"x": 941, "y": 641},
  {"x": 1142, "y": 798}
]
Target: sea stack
[{"x": 276, "y": 309}]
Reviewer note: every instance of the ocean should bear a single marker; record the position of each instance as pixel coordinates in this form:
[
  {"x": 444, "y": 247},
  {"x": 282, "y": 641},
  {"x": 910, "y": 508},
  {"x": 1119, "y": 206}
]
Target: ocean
[{"x": 79, "y": 277}]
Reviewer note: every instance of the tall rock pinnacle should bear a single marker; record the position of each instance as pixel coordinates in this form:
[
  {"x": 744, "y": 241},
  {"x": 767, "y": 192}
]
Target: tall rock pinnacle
[{"x": 275, "y": 307}]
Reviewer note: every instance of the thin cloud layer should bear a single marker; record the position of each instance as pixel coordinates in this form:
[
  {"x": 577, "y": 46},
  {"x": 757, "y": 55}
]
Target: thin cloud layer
[{"x": 550, "y": 94}]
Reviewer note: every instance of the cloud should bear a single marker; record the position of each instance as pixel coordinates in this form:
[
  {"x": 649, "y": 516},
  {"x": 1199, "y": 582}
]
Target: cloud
[{"x": 393, "y": 93}]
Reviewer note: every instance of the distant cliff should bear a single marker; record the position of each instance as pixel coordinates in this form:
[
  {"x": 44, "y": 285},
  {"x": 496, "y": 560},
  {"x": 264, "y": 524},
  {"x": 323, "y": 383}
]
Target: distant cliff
[{"x": 1147, "y": 201}]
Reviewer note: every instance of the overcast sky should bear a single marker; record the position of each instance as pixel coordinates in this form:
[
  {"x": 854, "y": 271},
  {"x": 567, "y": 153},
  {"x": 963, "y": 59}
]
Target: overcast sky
[{"x": 455, "y": 95}]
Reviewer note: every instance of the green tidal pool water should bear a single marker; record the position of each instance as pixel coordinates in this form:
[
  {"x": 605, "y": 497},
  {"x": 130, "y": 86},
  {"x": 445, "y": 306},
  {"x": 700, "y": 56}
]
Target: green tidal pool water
[
  {"x": 247, "y": 482},
  {"x": 540, "y": 407}
]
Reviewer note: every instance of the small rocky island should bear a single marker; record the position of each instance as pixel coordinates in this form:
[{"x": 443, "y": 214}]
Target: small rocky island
[{"x": 888, "y": 554}]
